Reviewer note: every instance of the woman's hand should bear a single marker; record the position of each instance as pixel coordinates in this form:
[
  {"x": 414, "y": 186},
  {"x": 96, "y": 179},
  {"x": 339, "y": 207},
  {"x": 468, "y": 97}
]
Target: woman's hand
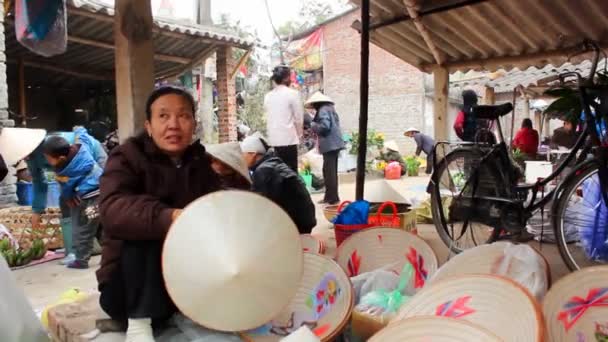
[{"x": 175, "y": 214}]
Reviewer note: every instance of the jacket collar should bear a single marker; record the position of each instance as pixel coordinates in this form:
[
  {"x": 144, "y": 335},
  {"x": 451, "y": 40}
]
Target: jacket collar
[{"x": 150, "y": 149}]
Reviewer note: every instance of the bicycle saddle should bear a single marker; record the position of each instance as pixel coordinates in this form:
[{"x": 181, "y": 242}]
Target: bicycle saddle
[{"x": 492, "y": 112}]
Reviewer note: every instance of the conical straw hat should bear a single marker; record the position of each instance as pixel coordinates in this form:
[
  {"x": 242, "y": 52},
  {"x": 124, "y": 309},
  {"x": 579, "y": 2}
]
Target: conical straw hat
[
  {"x": 324, "y": 302},
  {"x": 318, "y": 97},
  {"x": 576, "y": 307},
  {"x": 381, "y": 190},
  {"x": 231, "y": 155},
  {"x": 496, "y": 303},
  {"x": 392, "y": 145},
  {"x": 229, "y": 268},
  {"x": 486, "y": 259},
  {"x": 372, "y": 249},
  {"x": 18, "y": 143},
  {"x": 435, "y": 329},
  {"x": 311, "y": 244}
]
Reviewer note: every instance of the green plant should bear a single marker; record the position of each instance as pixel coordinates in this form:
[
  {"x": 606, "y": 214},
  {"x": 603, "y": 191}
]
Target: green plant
[
  {"x": 412, "y": 164},
  {"x": 375, "y": 140}
]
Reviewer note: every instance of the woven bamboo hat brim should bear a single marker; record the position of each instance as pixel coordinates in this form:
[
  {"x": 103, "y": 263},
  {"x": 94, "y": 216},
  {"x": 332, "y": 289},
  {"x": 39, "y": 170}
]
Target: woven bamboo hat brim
[
  {"x": 18, "y": 143},
  {"x": 311, "y": 244},
  {"x": 435, "y": 329},
  {"x": 496, "y": 303},
  {"x": 376, "y": 248},
  {"x": 322, "y": 278},
  {"x": 229, "y": 268},
  {"x": 485, "y": 259},
  {"x": 577, "y": 306},
  {"x": 231, "y": 155}
]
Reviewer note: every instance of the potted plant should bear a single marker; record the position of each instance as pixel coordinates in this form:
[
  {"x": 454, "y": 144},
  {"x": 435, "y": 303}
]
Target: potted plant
[{"x": 412, "y": 164}]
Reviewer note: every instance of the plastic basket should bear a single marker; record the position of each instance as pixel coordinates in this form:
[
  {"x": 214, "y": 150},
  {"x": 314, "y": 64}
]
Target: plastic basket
[{"x": 343, "y": 231}]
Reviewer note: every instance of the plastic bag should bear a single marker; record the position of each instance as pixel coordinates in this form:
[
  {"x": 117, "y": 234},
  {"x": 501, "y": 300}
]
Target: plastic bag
[
  {"x": 354, "y": 213},
  {"x": 41, "y": 26},
  {"x": 367, "y": 282},
  {"x": 382, "y": 302},
  {"x": 525, "y": 266},
  {"x": 392, "y": 171},
  {"x": 186, "y": 330}
]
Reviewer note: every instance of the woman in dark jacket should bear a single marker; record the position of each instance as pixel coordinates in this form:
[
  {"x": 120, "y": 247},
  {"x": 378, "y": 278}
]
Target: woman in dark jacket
[
  {"x": 326, "y": 124},
  {"x": 227, "y": 161},
  {"x": 147, "y": 182}
]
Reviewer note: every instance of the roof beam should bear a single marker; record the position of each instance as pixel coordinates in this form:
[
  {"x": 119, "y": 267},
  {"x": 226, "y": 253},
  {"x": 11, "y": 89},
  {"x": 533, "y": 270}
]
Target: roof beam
[
  {"x": 58, "y": 69},
  {"x": 199, "y": 59},
  {"x": 240, "y": 63},
  {"x": 104, "y": 45},
  {"x": 525, "y": 60},
  {"x": 412, "y": 10}
]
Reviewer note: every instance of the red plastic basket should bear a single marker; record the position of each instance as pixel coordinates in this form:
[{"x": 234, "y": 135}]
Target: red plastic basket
[{"x": 343, "y": 231}]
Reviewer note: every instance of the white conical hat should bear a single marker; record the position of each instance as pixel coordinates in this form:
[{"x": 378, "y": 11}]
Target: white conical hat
[
  {"x": 381, "y": 190},
  {"x": 436, "y": 329},
  {"x": 318, "y": 97},
  {"x": 231, "y": 155},
  {"x": 412, "y": 129},
  {"x": 18, "y": 143},
  {"x": 232, "y": 260},
  {"x": 392, "y": 145}
]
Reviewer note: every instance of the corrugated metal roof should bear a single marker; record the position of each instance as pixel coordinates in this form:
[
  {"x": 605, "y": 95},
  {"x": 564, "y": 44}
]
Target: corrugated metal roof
[
  {"x": 91, "y": 39},
  {"x": 488, "y": 34},
  {"x": 506, "y": 81}
]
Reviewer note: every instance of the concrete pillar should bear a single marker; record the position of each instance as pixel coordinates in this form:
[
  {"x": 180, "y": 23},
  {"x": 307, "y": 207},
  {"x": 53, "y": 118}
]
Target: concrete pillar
[
  {"x": 205, "y": 110},
  {"x": 134, "y": 60},
  {"x": 441, "y": 81},
  {"x": 226, "y": 89},
  {"x": 8, "y": 188},
  {"x": 527, "y": 113}
]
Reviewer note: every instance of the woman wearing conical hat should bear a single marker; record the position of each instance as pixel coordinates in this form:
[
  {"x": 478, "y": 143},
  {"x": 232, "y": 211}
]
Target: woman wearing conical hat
[
  {"x": 326, "y": 124},
  {"x": 228, "y": 162}
]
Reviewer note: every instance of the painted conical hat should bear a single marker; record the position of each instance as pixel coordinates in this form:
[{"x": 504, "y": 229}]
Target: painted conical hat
[
  {"x": 324, "y": 302},
  {"x": 485, "y": 300},
  {"x": 231, "y": 155},
  {"x": 18, "y": 143},
  {"x": 229, "y": 268},
  {"x": 488, "y": 259},
  {"x": 576, "y": 307},
  {"x": 372, "y": 249},
  {"x": 435, "y": 329},
  {"x": 311, "y": 244}
]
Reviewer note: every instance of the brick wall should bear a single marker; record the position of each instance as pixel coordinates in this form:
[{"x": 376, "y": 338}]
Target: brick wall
[
  {"x": 7, "y": 187},
  {"x": 226, "y": 89},
  {"x": 396, "y": 89}
]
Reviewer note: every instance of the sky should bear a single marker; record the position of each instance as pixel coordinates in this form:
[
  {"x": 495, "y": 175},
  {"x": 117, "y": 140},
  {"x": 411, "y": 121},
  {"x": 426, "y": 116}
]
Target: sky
[{"x": 251, "y": 13}]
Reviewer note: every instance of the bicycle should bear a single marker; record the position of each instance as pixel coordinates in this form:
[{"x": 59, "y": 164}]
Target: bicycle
[{"x": 474, "y": 188}]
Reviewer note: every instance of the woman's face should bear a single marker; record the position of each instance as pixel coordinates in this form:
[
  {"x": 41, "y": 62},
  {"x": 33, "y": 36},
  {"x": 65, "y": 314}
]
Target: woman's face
[{"x": 171, "y": 124}]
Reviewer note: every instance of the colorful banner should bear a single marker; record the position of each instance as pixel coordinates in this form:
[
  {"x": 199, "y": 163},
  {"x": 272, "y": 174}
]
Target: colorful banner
[{"x": 305, "y": 54}]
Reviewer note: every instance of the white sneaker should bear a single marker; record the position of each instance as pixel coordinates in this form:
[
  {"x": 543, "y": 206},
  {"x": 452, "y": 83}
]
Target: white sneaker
[
  {"x": 140, "y": 330},
  {"x": 68, "y": 259}
]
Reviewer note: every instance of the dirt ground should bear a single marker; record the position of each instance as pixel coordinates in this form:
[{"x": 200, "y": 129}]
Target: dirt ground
[{"x": 43, "y": 283}]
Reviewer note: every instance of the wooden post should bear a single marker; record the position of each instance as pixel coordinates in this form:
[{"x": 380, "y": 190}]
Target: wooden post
[
  {"x": 442, "y": 79},
  {"x": 22, "y": 96},
  {"x": 489, "y": 96},
  {"x": 134, "y": 60},
  {"x": 527, "y": 114},
  {"x": 363, "y": 100}
]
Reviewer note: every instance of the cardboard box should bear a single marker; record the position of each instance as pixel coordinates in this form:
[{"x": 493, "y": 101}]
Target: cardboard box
[{"x": 365, "y": 326}]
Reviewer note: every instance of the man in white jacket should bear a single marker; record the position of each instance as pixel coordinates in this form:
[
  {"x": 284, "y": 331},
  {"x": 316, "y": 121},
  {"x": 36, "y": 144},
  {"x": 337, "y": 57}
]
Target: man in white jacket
[{"x": 285, "y": 117}]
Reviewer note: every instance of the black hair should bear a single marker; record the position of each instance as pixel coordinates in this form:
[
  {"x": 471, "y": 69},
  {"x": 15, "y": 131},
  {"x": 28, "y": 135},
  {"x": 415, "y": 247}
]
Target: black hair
[
  {"x": 56, "y": 146},
  {"x": 469, "y": 100},
  {"x": 526, "y": 123},
  {"x": 169, "y": 90},
  {"x": 280, "y": 73}
]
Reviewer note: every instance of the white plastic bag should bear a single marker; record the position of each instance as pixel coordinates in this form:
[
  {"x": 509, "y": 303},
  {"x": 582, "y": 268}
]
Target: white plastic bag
[
  {"x": 526, "y": 267},
  {"x": 384, "y": 278}
]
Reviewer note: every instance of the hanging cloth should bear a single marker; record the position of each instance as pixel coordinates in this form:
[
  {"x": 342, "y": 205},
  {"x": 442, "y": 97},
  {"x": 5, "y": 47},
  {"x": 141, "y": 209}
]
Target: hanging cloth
[{"x": 41, "y": 26}]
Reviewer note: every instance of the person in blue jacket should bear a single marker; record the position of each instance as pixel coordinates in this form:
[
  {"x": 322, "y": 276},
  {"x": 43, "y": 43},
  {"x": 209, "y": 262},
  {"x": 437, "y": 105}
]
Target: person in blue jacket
[
  {"x": 78, "y": 173},
  {"x": 37, "y": 165}
]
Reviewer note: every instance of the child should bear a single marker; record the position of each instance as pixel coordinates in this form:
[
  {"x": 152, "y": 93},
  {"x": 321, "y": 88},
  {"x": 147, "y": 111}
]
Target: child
[{"x": 78, "y": 173}]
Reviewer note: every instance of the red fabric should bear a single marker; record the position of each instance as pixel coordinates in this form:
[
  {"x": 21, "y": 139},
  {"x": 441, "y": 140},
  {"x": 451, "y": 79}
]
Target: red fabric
[
  {"x": 459, "y": 124},
  {"x": 526, "y": 140}
]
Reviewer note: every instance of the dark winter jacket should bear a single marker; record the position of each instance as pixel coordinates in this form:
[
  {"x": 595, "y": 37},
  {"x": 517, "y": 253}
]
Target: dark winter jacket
[
  {"x": 327, "y": 126},
  {"x": 3, "y": 169},
  {"x": 140, "y": 188},
  {"x": 276, "y": 181}
]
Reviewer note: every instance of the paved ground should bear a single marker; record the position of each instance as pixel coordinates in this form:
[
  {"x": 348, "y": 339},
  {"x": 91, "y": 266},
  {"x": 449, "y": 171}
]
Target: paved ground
[{"x": 43, "y": 283}]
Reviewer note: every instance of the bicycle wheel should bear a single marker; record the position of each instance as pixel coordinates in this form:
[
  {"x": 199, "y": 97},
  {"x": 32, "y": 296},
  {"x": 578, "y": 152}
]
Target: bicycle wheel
[
  {"x": 452, "y": 174},
  {"x": 580, "y": 218}
]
